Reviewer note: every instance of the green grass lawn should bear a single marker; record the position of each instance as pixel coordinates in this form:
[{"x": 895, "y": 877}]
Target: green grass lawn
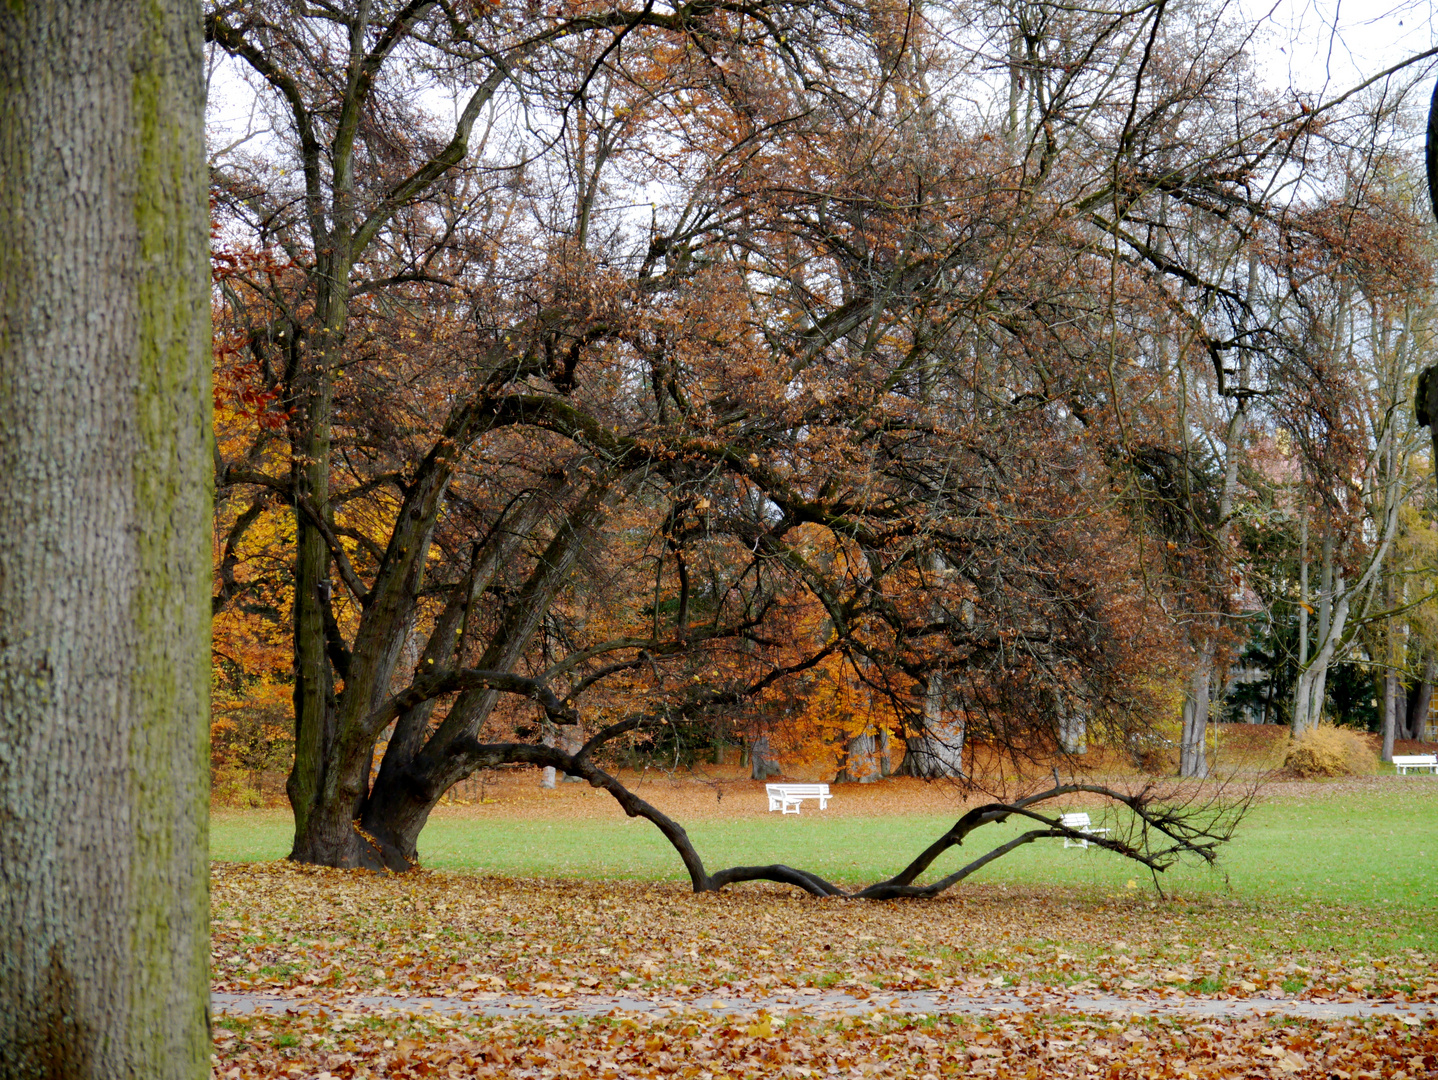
[{"x": 1367, "y": 850}]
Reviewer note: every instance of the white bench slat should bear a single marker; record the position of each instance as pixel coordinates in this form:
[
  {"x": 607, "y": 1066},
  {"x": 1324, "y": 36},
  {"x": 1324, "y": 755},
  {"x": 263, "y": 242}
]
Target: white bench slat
[
  {"x": 1079, "y": 822},
  {"x": 784, "y": 796},
  {"x": 1404, "y": 762}
]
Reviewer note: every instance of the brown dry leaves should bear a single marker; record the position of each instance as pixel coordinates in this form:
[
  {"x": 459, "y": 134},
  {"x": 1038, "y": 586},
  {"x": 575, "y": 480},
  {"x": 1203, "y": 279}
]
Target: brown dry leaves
[
  {"x": 279, "y": 927},
  {"x": 325, "y": 934},
  {"x": 698, "y": 1047}
]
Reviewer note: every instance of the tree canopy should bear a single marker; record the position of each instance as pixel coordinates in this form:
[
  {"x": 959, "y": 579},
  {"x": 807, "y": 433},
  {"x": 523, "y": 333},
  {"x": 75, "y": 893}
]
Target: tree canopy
[{"x": 588, "y": 370}]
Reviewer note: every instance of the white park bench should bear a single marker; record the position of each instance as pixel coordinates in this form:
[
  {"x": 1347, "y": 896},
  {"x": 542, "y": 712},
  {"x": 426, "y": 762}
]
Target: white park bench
[
  {"x": 1078, "y": 823},
  {"x": 1404, "y": 762},
  {"x": 783, "y": 796}
]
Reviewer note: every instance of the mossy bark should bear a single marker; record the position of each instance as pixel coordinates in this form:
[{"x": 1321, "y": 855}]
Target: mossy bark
[{"x": 105, "y": 502}]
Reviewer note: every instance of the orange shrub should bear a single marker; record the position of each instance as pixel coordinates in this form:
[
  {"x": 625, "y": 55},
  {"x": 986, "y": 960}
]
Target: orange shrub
[{"x": 1330, "y": 751}]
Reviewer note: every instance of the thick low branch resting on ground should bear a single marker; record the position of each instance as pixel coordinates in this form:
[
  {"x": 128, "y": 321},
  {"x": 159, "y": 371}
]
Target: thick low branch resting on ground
[{"x": 1160, "y": 834}]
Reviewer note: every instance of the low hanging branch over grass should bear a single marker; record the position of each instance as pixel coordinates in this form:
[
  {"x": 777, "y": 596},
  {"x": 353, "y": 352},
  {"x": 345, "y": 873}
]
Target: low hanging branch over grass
[{"x": 1165, "y": 826}]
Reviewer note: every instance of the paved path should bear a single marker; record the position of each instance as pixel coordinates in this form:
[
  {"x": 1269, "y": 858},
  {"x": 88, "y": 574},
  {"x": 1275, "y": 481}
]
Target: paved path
[{"x": 827, "y": 1002}]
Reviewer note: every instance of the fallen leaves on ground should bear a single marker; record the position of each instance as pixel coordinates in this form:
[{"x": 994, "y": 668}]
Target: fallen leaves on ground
[
  {"x": 353, "y": 1045},
  {"x": 292, "y": 929}
]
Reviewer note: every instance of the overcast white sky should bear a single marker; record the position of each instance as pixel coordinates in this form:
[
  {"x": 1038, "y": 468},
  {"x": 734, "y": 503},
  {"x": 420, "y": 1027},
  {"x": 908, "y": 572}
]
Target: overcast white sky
[{"x": 1325, "y": 46}]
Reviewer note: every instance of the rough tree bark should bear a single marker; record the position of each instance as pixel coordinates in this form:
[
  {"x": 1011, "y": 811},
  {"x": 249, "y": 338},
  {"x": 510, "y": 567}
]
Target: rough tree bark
[{"x": 104, "y": 541}]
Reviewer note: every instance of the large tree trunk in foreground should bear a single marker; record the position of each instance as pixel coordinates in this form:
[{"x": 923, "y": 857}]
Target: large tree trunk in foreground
[{"x": 104, "y": 541}]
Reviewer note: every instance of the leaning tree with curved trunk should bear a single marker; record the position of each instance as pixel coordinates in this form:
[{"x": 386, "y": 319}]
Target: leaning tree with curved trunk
[{"x": 696, "y": 325}]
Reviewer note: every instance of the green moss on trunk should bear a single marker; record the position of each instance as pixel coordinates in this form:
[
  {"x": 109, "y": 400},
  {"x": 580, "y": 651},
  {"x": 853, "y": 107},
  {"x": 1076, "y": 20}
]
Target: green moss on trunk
[{"x": 173, "y": 485}]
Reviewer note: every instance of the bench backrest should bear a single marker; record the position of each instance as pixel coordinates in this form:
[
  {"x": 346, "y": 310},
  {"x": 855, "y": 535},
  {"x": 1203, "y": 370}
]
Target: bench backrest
[
  {"x": 799, "y": 789},
  {"x": 1075, "y": 821},
  {"x": 1415, "y": 759}
]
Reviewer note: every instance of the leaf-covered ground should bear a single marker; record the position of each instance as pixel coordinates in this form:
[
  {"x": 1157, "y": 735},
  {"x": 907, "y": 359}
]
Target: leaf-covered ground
[
  {"x": 288, "y": 928},
  {"x": 324, "y": 940},
  {"x": 697, "y": 1047},
  {"x": 326, "y": 937}
]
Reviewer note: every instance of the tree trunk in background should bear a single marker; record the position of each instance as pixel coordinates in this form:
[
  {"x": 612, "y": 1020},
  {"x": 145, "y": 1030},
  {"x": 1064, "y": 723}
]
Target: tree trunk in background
[
  {"x": 1336, "y": 597},
  {"x": 568, "y": 739},
  {"x": 762, "y": 764},
  {"x": 861, "y": 765},
  {"x": 937, "y": 751},
  {"x": 1302, "y": 604},
  {"x": 1192, "y": 753},
  {"x": 1073, "y": 732},
  {"x": 571, "y": 741},
  {"x": 1392, "y": 685},
  {"x": 105, "y": 510},
  {"x": 1193, "y": 741},
  {"x": 934, "y": 754},
  {"x": 1422, "y": 700},
  {"x": 1311, "y": 689},
  {"x": 1390, "y": 714}
]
